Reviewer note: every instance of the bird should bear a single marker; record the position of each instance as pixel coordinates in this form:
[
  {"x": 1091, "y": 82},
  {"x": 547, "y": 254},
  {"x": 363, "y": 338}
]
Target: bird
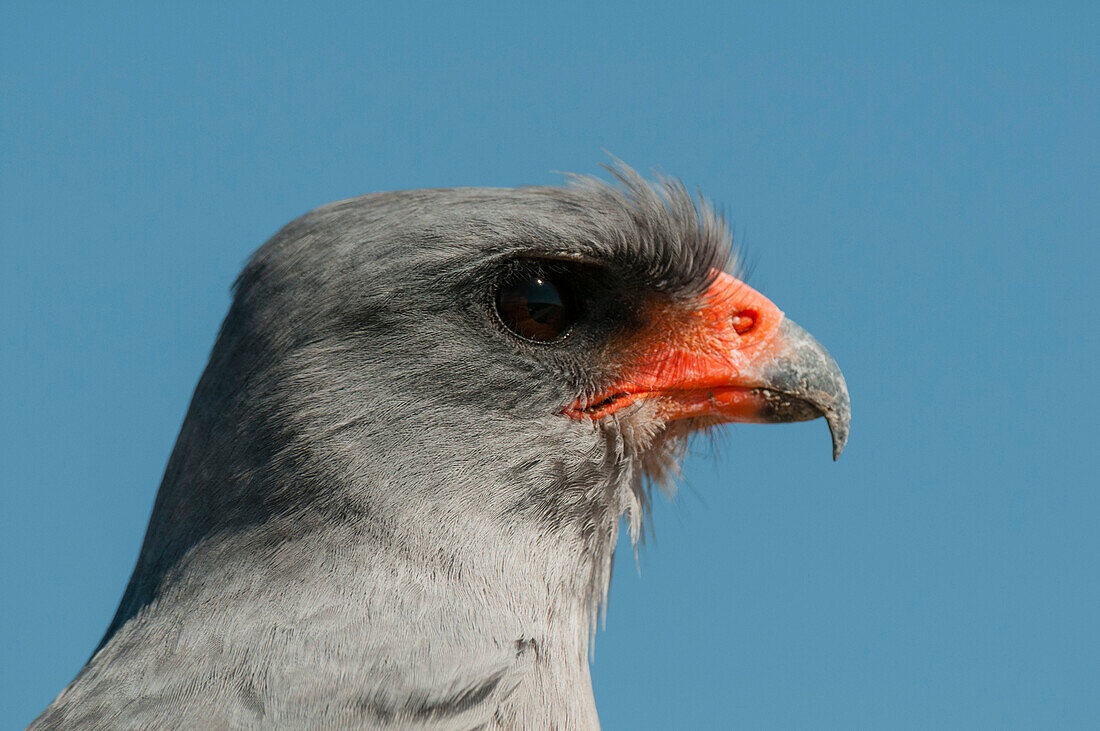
[{"x": 396, "y": 495}]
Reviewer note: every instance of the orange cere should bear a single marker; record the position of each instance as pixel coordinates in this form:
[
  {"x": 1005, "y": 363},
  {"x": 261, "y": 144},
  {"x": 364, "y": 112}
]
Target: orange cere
[{"x": 703, "y": 361}]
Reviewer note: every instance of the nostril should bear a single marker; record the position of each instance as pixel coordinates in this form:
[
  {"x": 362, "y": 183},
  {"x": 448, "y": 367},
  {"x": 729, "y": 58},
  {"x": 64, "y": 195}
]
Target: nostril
[{"x": 743, "y": 321}]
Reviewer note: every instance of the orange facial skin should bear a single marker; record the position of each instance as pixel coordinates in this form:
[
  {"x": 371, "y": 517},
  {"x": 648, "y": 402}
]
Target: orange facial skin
[{"x": 706, "y": 362}]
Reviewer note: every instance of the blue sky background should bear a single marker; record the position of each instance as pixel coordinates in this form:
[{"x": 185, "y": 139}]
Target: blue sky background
[{"x": 918, "y": 187}]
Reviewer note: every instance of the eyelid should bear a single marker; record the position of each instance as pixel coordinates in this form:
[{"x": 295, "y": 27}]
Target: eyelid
[
  {"x": 564, "y": 256},
  {"x": 503, "y": 264}
]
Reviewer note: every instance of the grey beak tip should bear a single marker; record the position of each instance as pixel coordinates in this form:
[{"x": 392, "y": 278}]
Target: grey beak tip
[
  {"x": 840, "y": 438},
  {"x": 838, "y": 419},
  {"x": 812, "y": 375}
]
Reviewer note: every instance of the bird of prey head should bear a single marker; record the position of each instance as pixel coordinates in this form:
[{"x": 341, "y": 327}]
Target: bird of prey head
[{"x": 397, "y": 491}]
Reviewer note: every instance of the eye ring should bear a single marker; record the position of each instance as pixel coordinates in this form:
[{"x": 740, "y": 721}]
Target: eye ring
[{"x": 533, "y": 305}]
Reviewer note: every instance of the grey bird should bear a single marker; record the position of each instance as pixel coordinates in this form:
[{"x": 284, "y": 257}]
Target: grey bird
[{"x": 397, "y": 491}]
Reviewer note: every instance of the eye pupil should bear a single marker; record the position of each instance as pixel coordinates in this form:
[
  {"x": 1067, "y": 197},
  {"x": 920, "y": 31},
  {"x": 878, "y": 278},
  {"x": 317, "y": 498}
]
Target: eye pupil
[{"x": 533, "y": 307}]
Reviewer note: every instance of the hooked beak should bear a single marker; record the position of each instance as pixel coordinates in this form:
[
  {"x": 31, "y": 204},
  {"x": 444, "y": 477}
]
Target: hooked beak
[
  {"x": 804, "y": 382},
  {"x": 737, "y": 358}
]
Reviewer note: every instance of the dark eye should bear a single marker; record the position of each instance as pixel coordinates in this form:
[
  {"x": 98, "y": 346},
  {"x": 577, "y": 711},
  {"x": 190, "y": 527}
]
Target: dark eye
[{"x": 532, "y": 306}]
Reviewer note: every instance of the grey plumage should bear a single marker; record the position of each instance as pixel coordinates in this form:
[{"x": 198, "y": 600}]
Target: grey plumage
[{"x": 375, "y": 515}]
